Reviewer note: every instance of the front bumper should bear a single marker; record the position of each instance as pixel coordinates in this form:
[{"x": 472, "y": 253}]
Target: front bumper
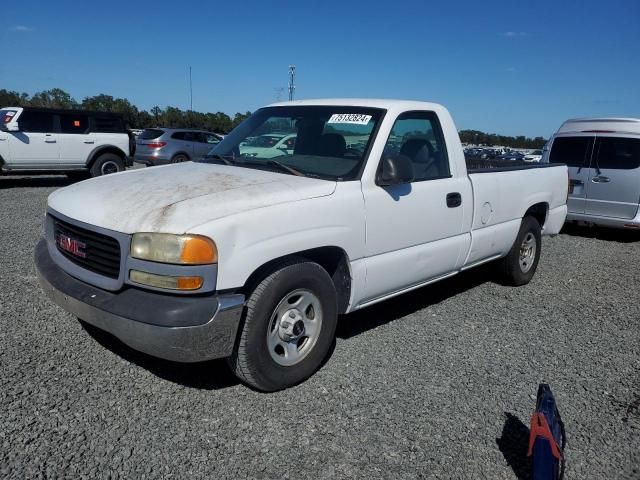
[{"x": 173, "y": 327}]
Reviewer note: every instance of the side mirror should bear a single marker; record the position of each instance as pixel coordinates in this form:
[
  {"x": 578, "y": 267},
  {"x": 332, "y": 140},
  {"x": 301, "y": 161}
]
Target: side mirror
[{"x": 396, "y": 170}]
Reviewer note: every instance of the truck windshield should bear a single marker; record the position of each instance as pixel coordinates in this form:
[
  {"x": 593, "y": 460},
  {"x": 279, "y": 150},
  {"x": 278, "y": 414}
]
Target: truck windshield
[{"x": 327, "y": 142}]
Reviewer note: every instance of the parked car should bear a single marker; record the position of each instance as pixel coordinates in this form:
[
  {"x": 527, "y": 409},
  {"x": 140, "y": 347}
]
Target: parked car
[
  {"x": 603, "y": 155},
  {"x": 76, "y": 142},
  {"x": 489, "y": 153},
  {"x": 513, "y": 156},
  {"x": 269, "y": 145},
  {"x": 534, "y": 156},
  {"x": 160, "y": 146},
  {"x": 253, "y": 258},
  {"x": 474, "y": 153}
]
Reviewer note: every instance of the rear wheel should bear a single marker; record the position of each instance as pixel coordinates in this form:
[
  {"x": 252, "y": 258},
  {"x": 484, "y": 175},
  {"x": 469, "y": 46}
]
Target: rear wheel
[
  {"x": 180, "y": 158},
  {"x": 520, "y": 264},
  {"x": 105, "y": 164},
  {"x": 289, "y": 327}
]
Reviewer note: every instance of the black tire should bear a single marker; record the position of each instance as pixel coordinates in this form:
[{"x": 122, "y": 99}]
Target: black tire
[
  {"x": 251, "y": 360},
  {"x": 513, "y": 273},
  {"x": 180, "y": 158},
  {"x": 105, "y": 164}
]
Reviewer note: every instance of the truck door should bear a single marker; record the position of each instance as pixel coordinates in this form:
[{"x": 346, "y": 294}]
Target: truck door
[
  {"x": 415, "y": 232},
  {"x": 36, "y": 144},
  {"x": 575, "y": 151},
  {"x": 613, "y": 189}
]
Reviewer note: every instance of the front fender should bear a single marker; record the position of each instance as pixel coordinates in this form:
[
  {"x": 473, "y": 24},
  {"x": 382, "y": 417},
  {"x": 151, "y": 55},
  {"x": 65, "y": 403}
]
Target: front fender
[{"x": 249, "y": 240}]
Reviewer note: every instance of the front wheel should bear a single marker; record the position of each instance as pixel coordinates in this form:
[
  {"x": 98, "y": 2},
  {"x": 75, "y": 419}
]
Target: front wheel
[
  {"x": 289, "y": 327},
  {"x": 520, "y": 264}
]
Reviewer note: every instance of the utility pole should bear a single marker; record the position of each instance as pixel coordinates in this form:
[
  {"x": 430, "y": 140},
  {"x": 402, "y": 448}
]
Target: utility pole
[
  {"x": 190, "y": 90},
  {"x": 292, "y": 81}
]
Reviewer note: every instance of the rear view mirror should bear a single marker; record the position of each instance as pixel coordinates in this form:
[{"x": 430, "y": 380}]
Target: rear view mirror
[{"x": 396, "y": 170}]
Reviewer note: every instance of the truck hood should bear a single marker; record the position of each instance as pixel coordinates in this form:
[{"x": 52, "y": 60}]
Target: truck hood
[{"x": 177, "y": 198}]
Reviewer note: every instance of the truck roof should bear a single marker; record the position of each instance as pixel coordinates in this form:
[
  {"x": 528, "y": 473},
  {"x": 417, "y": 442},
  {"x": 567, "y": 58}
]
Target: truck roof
[
  {"x": 601, "y": 125},
  {"x": 364, "y": 102}
]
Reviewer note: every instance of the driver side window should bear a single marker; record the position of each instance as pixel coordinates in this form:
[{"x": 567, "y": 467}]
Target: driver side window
[{"x": 418, "y": 136}]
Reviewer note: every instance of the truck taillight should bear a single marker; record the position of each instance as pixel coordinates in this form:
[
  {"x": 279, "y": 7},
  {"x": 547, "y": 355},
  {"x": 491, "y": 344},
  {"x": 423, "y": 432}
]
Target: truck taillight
[{"x": 156, "y": 144}]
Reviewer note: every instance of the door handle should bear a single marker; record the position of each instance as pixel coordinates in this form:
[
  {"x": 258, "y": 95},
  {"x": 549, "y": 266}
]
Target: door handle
[
  {"x": 600, "y": 179},
  {"x": 49, "y": 139},
  {"x": 454, "y": 200},
  {"x": 89, "y": 141}
]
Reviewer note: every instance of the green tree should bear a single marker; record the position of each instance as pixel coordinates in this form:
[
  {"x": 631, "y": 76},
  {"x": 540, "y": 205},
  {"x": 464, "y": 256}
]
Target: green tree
[
  {"x": 239, "y": 118},
  {"x": 53, "y": 98},
  {"x": 145, "y": 120},
  {"x": 9, "y": 98}
]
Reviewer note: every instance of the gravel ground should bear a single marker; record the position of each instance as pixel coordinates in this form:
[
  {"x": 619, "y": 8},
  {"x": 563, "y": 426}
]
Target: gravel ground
[{"x": 439, "y": 383}]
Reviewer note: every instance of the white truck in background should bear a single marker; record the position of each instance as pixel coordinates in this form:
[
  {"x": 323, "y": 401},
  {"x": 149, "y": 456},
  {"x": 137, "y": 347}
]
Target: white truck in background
[{"x": 254, "y": 258}]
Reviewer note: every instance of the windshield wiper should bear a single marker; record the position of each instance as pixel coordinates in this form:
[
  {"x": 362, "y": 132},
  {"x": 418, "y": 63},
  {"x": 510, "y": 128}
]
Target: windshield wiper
[{"x": 282, "y": 166}]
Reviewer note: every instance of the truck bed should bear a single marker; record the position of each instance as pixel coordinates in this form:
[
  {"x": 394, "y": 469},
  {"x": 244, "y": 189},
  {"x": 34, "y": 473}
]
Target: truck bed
[
  {"x": 493, "y": 165},
  {"x": 503, "y": 198}
]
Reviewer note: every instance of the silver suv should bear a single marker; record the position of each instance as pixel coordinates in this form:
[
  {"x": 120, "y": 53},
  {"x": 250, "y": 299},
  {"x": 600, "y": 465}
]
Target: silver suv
[{"x": 159, "y": 146}]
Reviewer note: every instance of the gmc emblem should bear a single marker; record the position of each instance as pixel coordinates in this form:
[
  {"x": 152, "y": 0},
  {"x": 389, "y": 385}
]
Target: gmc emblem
[{"x": 71, "y": 245}]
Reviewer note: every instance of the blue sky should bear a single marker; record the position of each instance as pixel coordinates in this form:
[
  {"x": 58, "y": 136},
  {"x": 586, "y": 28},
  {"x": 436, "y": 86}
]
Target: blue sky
[{"x": 516, "y": 68}]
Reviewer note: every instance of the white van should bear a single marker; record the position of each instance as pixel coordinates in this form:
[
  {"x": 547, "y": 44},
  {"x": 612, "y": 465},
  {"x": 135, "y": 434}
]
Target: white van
[
  {"x": 75, "y": 142},
  {"x": 603, "y": 156}
]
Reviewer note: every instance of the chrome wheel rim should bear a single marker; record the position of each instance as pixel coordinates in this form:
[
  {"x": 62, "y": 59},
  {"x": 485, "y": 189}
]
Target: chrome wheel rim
[
  {"x": 294, "y": 327},
  {"x": 109, "y": 167},
  {"x": 527, "y": 252}
]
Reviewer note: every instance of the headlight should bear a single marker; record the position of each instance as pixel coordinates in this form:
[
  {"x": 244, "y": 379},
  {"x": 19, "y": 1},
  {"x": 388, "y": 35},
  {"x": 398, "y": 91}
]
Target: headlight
[{"x": 169, "y": 248}]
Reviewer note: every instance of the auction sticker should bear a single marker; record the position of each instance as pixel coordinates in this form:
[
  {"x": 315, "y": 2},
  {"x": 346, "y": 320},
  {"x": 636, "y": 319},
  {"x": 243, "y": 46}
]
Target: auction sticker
[{"x": 352, "y": 118}]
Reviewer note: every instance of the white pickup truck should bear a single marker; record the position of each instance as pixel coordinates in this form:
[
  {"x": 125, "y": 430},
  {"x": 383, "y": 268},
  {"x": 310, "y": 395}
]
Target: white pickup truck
[{"x": 254, "y": 258}]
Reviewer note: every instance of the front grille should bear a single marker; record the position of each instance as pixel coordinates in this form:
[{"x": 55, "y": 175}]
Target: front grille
[{"x": 99, "y": 253}]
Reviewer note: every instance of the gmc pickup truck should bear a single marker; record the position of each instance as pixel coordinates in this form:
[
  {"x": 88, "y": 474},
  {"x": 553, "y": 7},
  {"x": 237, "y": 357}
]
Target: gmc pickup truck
[{"x": 253, "y": 257}]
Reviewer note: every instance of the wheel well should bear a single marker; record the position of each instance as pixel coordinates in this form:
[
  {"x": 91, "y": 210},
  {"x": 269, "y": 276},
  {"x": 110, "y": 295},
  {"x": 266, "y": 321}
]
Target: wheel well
[
  {"x": 539, "y": 212},
  {"x": 180, "y": 153},
  {"x": 333, "y": 259},
  {"x": 97, "y": 153}
]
